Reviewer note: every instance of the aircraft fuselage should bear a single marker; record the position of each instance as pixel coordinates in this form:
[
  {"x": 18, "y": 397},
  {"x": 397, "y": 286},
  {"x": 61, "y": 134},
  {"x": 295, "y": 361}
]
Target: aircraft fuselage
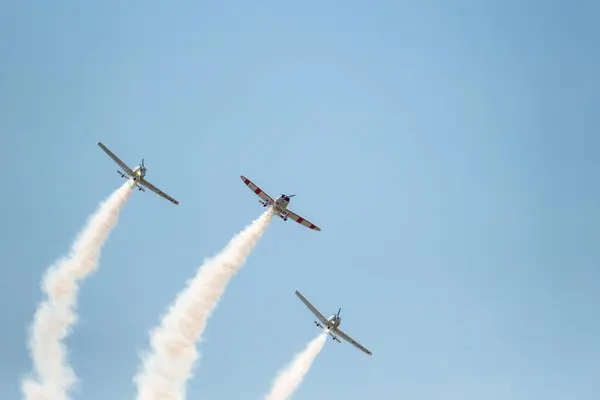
[
  {"x": 280, "y": 204},
  {"x": 138, "y": 173},
  {"x": 333, "y": 323}
]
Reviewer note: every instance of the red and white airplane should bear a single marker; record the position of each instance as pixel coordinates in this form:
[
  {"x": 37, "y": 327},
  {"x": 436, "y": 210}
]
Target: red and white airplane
[{"x": 280, "y": 204}]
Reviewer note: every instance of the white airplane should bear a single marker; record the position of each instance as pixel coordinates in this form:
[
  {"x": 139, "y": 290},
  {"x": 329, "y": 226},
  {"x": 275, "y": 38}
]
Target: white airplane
[
  {"x": 137, "y": 174},
  {"x": 280, "y": 204},
  {"x": 331, "y": 325}
]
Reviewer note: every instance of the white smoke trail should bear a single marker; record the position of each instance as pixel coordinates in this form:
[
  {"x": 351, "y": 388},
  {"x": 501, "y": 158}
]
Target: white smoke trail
[
  {"x": 56, "y": 315},
  {"x": 291, "y": 377},
  {"x": 167, "y": 368}
]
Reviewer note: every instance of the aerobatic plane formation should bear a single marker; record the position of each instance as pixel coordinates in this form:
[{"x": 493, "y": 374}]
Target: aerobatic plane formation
[{"x": 280, "y": 206}]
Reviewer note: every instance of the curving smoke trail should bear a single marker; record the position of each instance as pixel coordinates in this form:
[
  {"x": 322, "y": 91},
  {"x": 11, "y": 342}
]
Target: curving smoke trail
[
  {"x": 167, "y": 368},
  {"x": 291, "y": 377},
  {"x": 56, "y": 315}
]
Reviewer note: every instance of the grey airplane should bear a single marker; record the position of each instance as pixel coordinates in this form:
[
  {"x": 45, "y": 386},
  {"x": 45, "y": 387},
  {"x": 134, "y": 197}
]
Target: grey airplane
[
  {"x": 137, "y": 174},
  {"x": 331, "y": 324}
]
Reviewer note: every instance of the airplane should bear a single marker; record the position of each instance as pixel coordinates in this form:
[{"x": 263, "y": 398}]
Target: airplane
[
  {"x": 280, "y": 204},
  {"x": 137, "y": 175},
  {"x": 331, "y": 325}
]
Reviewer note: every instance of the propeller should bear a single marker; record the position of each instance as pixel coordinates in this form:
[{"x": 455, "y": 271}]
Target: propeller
[
  {"x": 291, "y": 195},
  {"x": 339, "y": 311}
]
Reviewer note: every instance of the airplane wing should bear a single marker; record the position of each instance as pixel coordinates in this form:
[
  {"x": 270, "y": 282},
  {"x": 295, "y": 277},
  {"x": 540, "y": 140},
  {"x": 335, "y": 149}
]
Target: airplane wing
[
  {"x": 257, "y": 190},
  {"x": 347, "y": 338},
  {"x": 116, "y": 159},
  {"x": 301, "y": 220},
  {"x": 157, "y": 191},
  {"x": 311, "y": 307}
]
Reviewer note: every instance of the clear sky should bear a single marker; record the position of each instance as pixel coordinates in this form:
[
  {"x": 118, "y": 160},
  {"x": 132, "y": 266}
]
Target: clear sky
[{"x": 448, "y": 150}]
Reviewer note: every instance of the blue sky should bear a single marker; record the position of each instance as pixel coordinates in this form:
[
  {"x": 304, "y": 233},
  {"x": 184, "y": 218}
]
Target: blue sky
[{"x": 449, "y": 152}]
